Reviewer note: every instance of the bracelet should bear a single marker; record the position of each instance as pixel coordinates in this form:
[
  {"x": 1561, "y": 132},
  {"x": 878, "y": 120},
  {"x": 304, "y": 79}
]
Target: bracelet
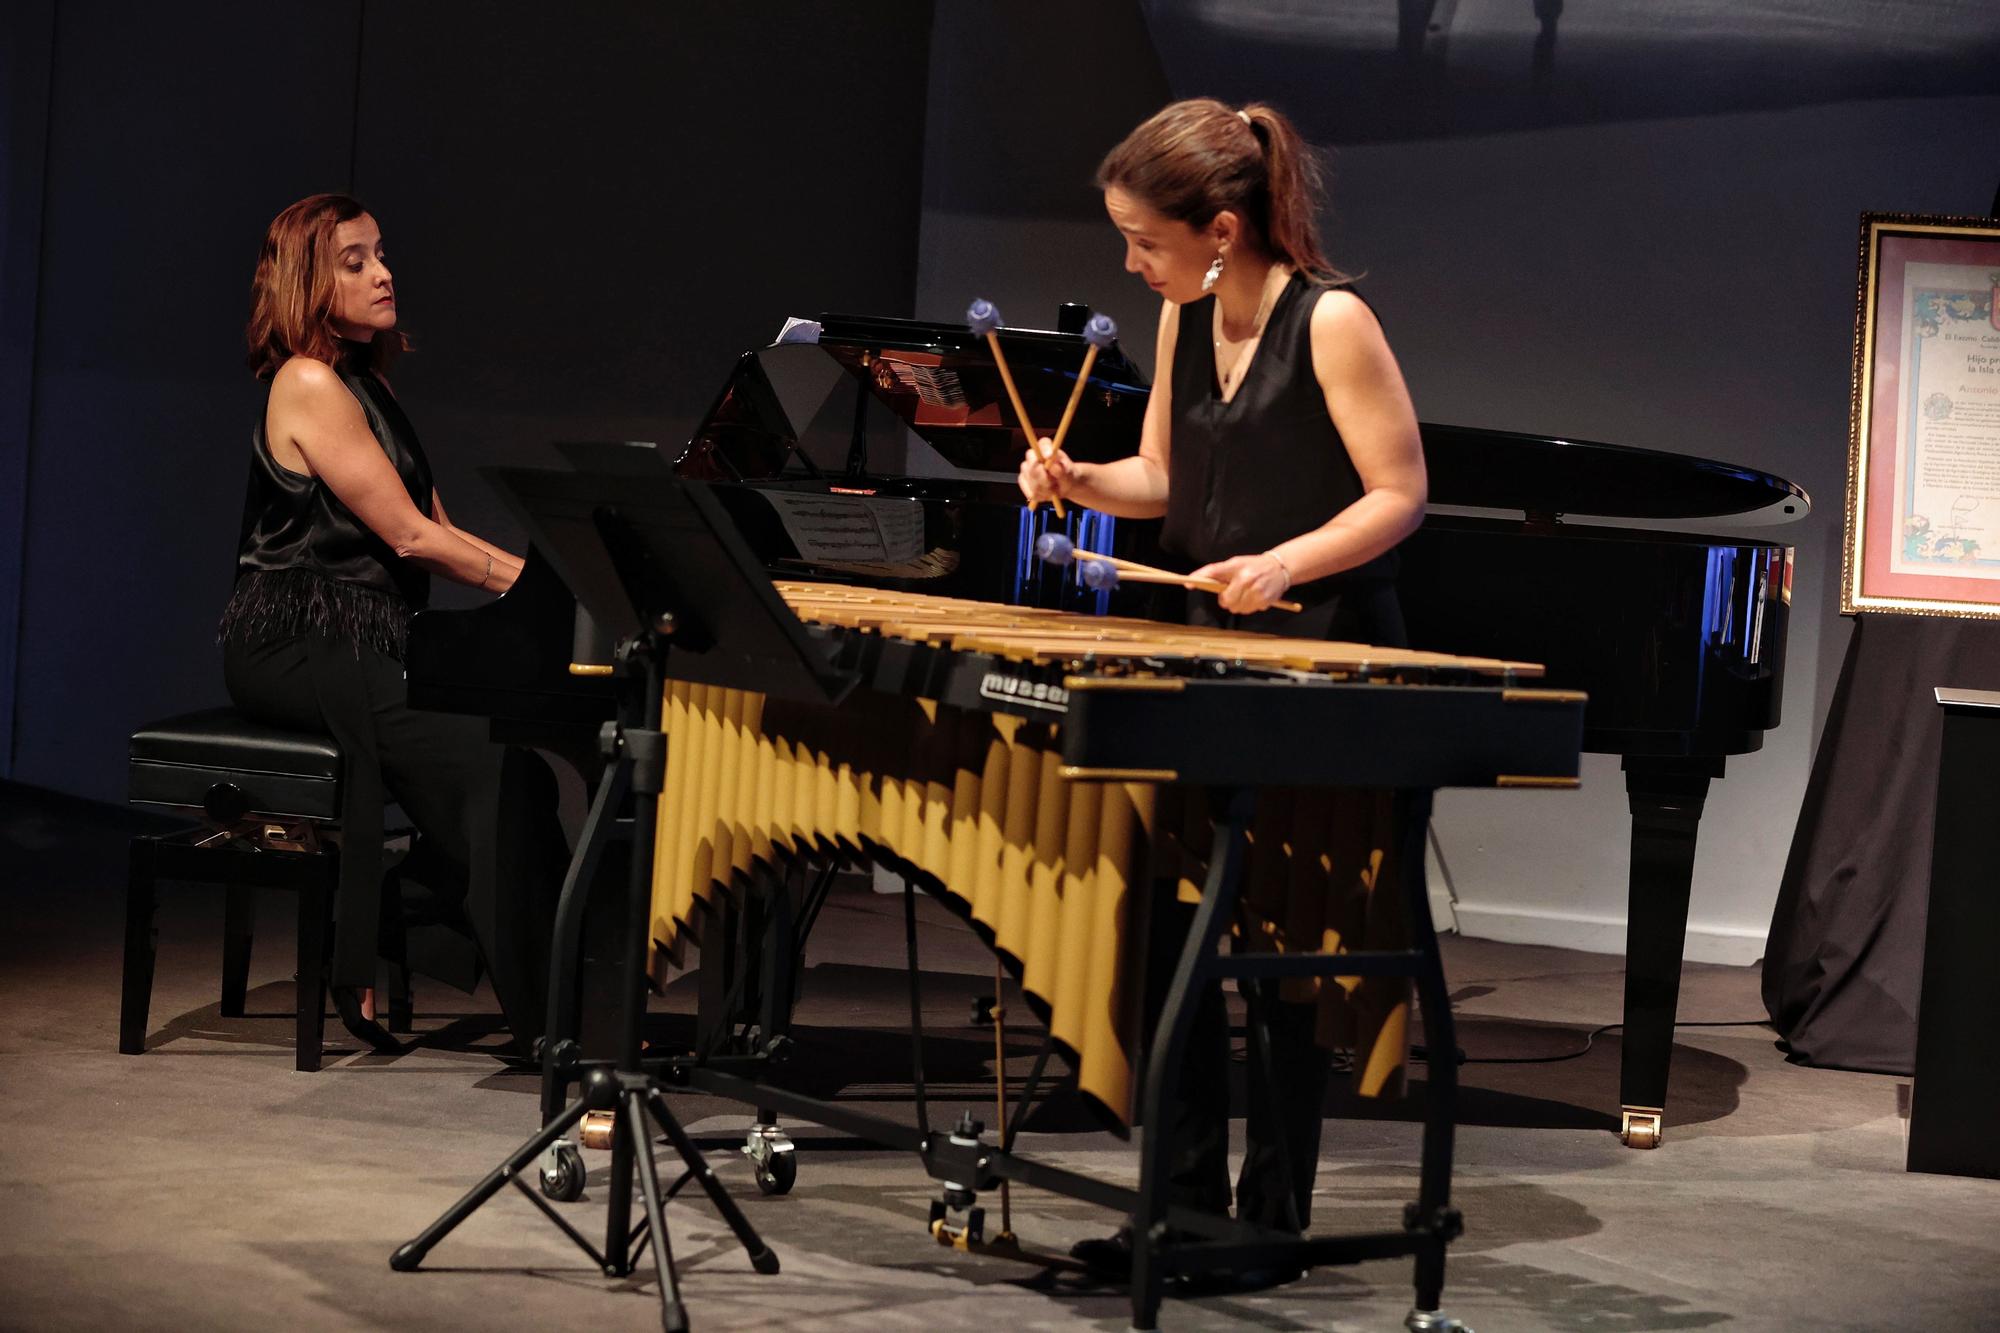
[
  {"x": 1285, "y": 567},
  {"x": 489, "y": 571}
]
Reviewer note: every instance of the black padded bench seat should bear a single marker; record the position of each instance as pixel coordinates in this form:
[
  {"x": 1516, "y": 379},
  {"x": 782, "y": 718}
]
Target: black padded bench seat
[
  {"x": 265, "y": 795},
  {"x": 220, "y": 761}
]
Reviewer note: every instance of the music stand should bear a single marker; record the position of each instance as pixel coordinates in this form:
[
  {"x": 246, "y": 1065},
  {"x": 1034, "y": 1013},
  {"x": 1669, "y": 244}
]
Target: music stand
[{"x": 656, "y": 561}]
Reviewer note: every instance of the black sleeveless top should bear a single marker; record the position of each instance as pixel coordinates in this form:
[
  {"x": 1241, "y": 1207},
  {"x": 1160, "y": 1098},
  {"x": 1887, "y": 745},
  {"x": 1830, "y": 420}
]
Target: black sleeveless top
[
  {"x": 306, "y": 564},
  {"x": 1260, "y": 469}
]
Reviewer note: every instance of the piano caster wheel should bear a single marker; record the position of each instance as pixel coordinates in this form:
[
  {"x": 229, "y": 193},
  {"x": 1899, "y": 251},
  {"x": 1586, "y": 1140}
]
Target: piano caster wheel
[
  {"x": 562, "y": 1172},
  {"x": 773, "y": 1158},
  {"x": 1433, "y": 1321},
  {"x": 597, "y": 1129},
  {"x": 1641, "y": 1127}
]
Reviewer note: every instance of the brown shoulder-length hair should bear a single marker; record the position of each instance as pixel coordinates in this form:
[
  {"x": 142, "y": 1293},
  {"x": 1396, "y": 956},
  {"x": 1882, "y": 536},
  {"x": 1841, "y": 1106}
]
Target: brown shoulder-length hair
[
  {"x": 1193, "y": 159},
  {"x": 291, "y": 294}
]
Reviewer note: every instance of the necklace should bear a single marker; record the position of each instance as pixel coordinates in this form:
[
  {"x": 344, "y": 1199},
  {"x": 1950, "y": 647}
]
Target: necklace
[{"x": 1274, "y": 282}]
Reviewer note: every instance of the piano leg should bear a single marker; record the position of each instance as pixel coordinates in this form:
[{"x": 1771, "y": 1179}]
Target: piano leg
[{"x": 1666, "y": 795}]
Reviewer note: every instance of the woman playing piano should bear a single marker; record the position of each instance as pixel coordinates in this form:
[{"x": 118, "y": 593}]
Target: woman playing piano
[
  {"x": 342, "y": 532},
  {"x": 1280, "y": 446}
]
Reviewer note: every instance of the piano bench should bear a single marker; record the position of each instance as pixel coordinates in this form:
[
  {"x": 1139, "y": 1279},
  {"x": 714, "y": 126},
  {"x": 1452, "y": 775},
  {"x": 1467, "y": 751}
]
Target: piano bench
[{"x": 267, "y": 799}]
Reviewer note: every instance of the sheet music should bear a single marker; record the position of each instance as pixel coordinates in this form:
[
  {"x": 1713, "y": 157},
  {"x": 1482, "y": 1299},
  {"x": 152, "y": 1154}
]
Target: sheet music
[{"x": 851, "y": 527}]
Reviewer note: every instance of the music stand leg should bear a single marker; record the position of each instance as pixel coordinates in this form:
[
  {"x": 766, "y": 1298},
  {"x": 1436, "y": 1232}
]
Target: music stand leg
[
  {"x": 412, "y": 1253},
  {"x": 673, "y": 1315},
  {"x": 641, "y": 749},
  {"x": 762, "y": 1257}
]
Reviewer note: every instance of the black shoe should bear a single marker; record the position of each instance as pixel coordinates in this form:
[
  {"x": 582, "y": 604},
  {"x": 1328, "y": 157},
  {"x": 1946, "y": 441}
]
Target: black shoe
[
  {"x": 1236, "y": 1281},
  {"x": 347, "y": 1003},
  {"x": 1106, "y": 1256},
  {"x": 1110, "y": 1257}
]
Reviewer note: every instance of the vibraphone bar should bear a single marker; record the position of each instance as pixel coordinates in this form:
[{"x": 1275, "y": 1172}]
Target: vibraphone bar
[{"x": 1040, "y": 771}]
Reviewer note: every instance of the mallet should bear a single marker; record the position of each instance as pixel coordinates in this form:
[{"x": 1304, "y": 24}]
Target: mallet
[
  {"x": 1100, "y": 333},
  {"x": 983, "y": 318},
  {"x": 1101, "y": 573}
]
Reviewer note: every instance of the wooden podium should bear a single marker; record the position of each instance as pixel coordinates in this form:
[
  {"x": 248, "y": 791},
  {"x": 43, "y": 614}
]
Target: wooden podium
[{"x": 1953, "y": 1125}]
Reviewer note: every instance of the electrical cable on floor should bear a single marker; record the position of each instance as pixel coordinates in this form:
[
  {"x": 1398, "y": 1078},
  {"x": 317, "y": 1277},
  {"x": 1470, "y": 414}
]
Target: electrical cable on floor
[
  {"x": 1343, "y": 1060},
  {"x": 1590, "y": 1040}
]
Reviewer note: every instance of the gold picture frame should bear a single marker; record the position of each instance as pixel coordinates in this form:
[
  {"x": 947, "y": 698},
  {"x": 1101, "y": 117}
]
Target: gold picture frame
[{"x": 1923, "y": 450}]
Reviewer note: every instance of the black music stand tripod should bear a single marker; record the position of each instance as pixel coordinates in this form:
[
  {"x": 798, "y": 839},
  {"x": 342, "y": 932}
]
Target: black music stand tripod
[{"x": 638, "y": 749}]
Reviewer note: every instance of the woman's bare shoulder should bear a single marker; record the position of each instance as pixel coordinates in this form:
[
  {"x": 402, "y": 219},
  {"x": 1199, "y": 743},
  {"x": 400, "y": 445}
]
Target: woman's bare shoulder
[
  {"x": 306, "y": 384},
  {"x": 304, "y": 375},
  {"x": 1339, "y": 310}
]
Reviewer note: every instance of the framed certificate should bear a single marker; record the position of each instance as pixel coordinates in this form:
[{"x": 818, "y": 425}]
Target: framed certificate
[{"x": 1923, "y": 459}]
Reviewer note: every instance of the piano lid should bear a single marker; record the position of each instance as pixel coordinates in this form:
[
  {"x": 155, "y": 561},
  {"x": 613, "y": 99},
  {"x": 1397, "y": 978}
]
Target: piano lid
[
  {"x": 790, "y": 409},
  {"x": 1497, "y": 469}
]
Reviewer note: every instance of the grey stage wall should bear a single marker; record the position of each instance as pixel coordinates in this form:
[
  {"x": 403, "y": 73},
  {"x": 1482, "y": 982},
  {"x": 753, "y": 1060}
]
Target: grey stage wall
[
  {"x": 590, "y": 209},
  {"x": 1682, "y": 283}
]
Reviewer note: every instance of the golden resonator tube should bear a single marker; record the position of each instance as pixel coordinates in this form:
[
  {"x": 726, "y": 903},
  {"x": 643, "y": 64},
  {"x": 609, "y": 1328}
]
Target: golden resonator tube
[{"x": 1055, "y": 875}]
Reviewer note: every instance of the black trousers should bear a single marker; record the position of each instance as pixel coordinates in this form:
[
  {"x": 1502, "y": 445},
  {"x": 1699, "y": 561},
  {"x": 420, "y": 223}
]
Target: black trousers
[
  {"x": 479, "y": 887},
  {"x": 1284, "y": 1085},
  {"x": 1285, "y": 1080}
]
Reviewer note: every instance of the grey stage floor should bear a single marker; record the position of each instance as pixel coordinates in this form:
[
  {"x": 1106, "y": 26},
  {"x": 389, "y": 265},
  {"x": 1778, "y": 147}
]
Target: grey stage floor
[{"x": 207, "y": 1185}]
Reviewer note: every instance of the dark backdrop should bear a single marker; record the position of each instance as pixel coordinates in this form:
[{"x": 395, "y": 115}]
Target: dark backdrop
[{"x": 590, "y": 208}]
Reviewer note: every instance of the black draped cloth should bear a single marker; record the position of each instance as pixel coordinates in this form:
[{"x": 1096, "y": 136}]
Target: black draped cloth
[{"x": 1845, "y": 960}]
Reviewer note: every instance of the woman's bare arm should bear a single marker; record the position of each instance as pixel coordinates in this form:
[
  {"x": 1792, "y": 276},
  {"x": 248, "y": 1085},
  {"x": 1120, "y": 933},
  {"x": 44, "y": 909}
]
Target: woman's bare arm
[
  {"x": 312, "y": 412},
  {"x": 500, "y": 554}
]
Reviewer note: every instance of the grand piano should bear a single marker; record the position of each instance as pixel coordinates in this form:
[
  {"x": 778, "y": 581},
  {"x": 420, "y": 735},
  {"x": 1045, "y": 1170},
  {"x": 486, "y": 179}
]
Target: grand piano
[{"x": 881, "y": 451}]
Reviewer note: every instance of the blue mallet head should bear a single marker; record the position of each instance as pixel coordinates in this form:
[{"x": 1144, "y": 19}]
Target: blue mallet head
[
  {"x": 1099, "y": 575},
  {"x": 1055, "y": 548},
  {"x": 983, "y": 317},
  {"x": 1101, "y": 331}
]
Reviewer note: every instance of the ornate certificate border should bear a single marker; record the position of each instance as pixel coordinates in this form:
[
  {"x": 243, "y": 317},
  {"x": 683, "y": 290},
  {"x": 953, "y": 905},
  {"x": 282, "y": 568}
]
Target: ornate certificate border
[{"x": 1923, "y": 450}]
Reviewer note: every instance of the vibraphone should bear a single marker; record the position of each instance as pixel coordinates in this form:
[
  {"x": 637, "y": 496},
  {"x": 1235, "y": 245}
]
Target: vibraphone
[{"x": 1040, "y": 771}]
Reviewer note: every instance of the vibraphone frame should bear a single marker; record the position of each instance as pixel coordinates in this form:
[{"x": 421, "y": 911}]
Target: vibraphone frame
[
  {"x": 1109, "y": 723},
  {"x": 972, "y": 1165}
]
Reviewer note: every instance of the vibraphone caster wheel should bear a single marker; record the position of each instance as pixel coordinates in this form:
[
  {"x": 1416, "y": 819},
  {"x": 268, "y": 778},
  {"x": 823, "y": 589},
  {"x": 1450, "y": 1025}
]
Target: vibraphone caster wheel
[
  {"x": 779, "y": 1174},
  {"x": 957, "y": 1235},
  {"x": 562, "y": 1172},
  {"x": 773, "y": 1158},
  {"x": 1641, "y": 1127},
  {"x": 1433, "y": 1321}
]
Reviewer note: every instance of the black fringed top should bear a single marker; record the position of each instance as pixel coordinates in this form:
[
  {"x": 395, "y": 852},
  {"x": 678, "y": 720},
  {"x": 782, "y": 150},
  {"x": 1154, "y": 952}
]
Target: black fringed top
[{"x": 306, "y": 564}]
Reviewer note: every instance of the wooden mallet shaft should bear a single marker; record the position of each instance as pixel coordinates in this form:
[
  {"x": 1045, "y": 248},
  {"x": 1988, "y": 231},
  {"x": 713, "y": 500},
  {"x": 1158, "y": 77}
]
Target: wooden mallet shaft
[
  {"x": 1131, "y": 571},
  {"x": 1099, "y": 332},
  {"x": 1189, "y": 581},
  {"x": 1075, "y": 397},
  {"x": 1021, "y": 411}
]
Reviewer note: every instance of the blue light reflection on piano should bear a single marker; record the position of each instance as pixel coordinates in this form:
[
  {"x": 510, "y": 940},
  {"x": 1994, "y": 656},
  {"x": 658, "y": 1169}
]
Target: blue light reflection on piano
[
  {"x": 1089, "y": 530},
  {"x": 1731, "y": 633}
]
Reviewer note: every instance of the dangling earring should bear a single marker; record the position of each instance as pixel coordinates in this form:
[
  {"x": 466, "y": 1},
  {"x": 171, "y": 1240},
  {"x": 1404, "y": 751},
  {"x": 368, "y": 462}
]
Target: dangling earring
[{"x": 1214, "y": 274}]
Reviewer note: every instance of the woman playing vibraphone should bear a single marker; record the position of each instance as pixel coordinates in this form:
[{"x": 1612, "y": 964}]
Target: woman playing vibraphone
[{"x": 1281, "y": 447}]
